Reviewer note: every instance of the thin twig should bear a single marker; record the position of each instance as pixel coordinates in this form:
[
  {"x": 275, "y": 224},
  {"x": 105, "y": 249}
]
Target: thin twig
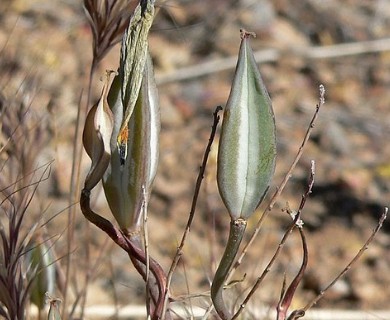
[
  {"x": 285, "y": 301},
  {"x": 271, "y": 55},
  {"x": 283, "y": 183},
  {"x": 352, "y": 262},
  {"x": 72, "y": 198},
  {"x": 193, "y": 205},
  {"x": 296, "y": 223}
]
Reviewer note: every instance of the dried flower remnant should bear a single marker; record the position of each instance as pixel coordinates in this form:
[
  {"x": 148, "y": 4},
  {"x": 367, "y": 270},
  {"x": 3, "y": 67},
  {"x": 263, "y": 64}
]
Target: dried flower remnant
[
  {"x": 108, "y": 20},
  {"x": 96, "y": 137},
  {"x": 132, "y": 63}
]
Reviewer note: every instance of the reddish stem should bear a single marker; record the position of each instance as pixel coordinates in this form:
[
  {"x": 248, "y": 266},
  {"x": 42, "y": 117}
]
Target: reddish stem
[{"x": 136, "y": 254}]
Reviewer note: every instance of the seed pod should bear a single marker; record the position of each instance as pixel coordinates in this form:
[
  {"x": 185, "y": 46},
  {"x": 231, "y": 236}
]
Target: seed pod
[
  {"x": 126, "y": 178},
  {"x": 96, "y": 138},
  {"x": 54, "y": 310},
  {"x": 247, "y": 147},
  {"x": 134, "y": 53},
  {"x": 42, "y": 273}
]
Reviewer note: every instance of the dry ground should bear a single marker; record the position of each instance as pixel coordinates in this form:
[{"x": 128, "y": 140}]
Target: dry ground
[{"x": 45, "y": 58}]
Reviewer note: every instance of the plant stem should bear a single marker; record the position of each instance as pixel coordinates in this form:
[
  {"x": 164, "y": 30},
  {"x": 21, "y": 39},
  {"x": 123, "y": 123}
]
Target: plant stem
[
  {"x": 202, "y": 170},
  {"x": 237, "y": 229},
  {"x": 128, "y": 245}
]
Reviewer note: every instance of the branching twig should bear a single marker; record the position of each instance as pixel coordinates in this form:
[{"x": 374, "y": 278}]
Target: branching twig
[
  {"x": 287, "y": 297},
  {"x": 283, "y": 183},
  {"x": 193, "y": 205},
  {"x": 296, "y": 222},
  {"x": 352, "y": 262}
]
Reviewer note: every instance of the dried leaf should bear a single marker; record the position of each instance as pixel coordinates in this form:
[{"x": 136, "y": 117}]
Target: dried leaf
[{"x": 133, "y": 58}]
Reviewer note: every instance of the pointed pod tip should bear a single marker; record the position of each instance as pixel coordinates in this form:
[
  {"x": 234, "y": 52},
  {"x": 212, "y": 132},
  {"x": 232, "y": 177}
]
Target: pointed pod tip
[{"x": 244, "y": 34}]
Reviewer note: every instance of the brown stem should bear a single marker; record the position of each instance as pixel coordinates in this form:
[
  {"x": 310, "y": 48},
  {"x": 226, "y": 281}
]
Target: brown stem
[
  {"x": 132, "y": 249},
  {"x": 142, "y": 268},
  {"x": 285, "y": 302}
]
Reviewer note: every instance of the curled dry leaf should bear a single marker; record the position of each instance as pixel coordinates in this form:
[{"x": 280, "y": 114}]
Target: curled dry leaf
[
  {"x": 134, "y": 53},
  {"x": 96, "y": 137}
]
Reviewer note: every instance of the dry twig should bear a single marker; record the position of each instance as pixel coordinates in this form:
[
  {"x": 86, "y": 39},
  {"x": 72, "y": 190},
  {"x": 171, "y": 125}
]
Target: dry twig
[
  {"x": 193, "y": 205},
  {"x": 352, "y": 262},
  {"x": 286, "y": 298}
]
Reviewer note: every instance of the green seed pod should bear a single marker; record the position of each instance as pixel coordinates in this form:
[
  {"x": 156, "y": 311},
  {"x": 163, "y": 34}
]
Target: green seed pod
[
  {"x": 41, "y": 273},
  {"x": 54, "y": 310},
  {"x": 247, "y": 147},
  {"x": 128, "y": 180}
]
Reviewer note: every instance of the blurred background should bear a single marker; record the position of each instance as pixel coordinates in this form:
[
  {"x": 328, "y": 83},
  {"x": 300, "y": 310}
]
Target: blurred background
[{"x": 45, "y": 57}]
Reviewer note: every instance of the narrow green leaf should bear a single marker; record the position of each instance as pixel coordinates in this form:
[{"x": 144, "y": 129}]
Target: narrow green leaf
[{"x": 247, "y": 148}]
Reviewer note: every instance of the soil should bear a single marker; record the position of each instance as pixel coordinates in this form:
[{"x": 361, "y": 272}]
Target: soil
[{"x": 44, "y": 63}]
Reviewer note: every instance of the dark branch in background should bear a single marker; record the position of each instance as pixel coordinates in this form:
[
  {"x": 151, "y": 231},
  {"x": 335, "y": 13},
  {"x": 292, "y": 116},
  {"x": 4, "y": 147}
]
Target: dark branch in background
[
  {"x": 202, "y": 169},
  {"x": 273, "y": 55}
]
